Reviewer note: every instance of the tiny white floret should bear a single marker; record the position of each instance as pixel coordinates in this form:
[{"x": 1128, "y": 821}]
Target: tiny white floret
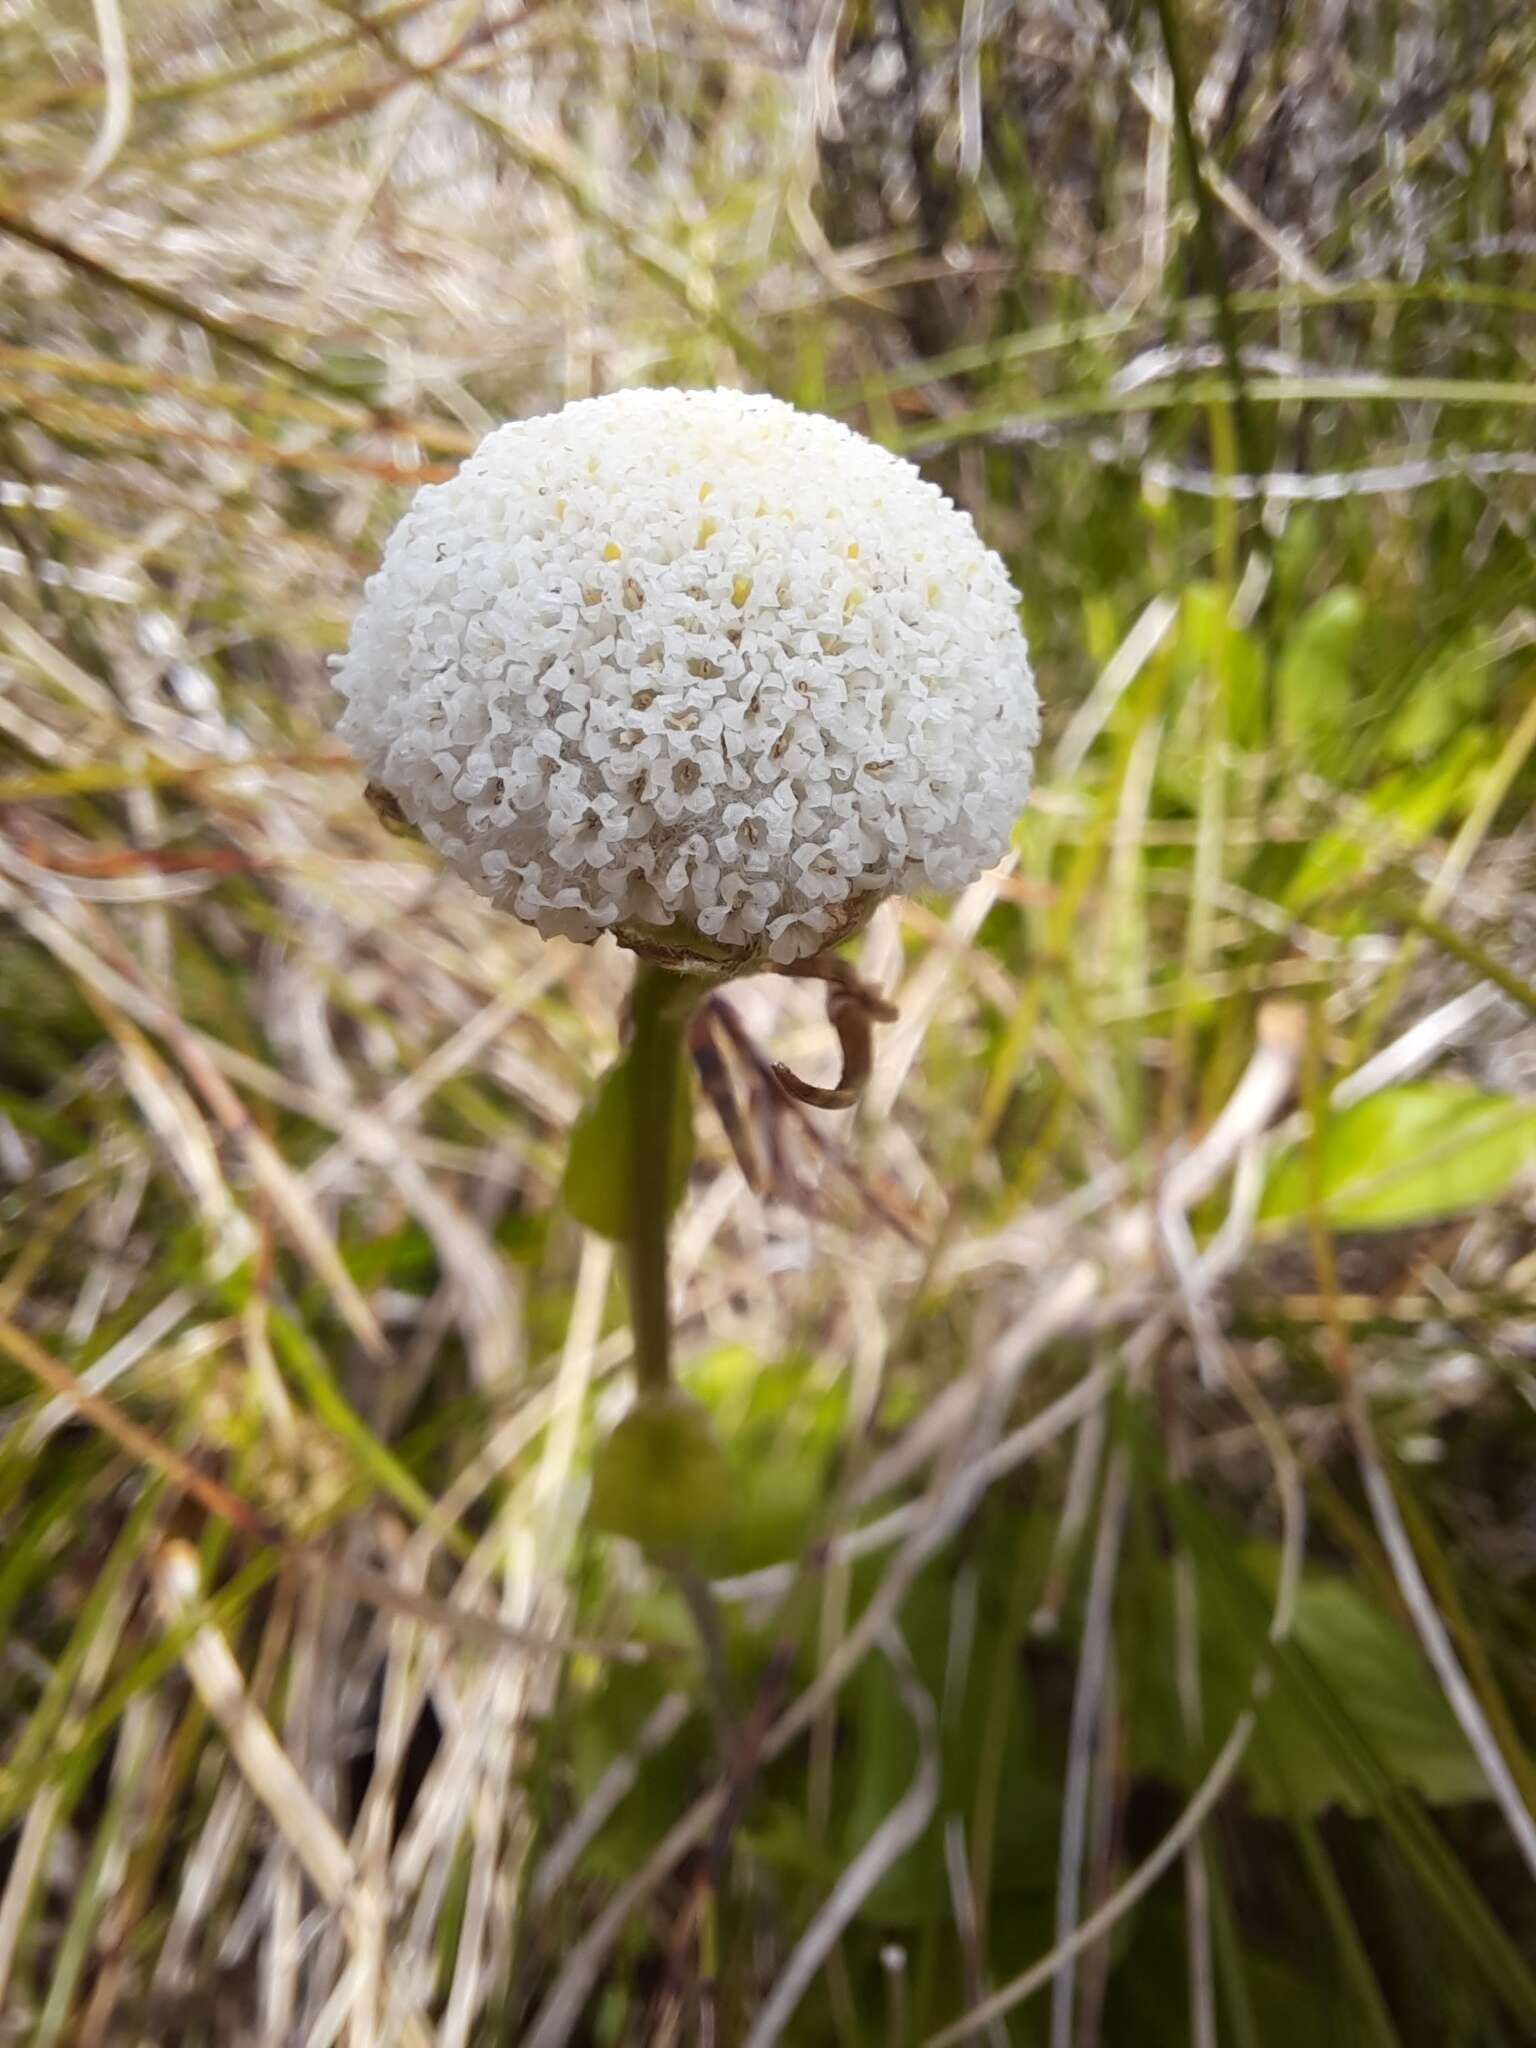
[{"x": 692, "y": 666}]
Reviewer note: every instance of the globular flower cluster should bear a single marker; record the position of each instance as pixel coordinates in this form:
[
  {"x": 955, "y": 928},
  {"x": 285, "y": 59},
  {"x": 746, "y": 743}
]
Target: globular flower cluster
[{"x": 696, "y": 668}]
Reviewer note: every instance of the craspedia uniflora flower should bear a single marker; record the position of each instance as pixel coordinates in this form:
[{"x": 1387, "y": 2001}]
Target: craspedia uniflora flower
[{"x": 695, "y": 668}]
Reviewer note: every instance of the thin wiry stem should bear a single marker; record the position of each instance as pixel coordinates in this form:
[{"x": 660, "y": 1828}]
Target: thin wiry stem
[
  {"x": 1197, "y": 1879},
  {"x": 1087, "y": 1703},
  {"x": 890, "y": 1840},
  {"x": 1205, "y": 224},
  {"x": 1477, "y": 957},
  {"x": 967, "y": 1916},
  {"x": 118, "y": 74},
  {"x": 1431, "y": 1630},
  {"x": 612, "y": 1788},
  {"x": 1119, "y": 1903}
]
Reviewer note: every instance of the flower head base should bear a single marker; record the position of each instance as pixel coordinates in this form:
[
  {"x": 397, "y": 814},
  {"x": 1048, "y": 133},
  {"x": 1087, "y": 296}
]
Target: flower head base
[{"x": 697, "y": 669}]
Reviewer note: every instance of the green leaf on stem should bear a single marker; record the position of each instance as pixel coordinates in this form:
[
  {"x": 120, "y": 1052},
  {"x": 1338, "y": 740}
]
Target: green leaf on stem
[
  {"x": 661, "y": 1479},
  {"x": 1407, "y": 1155},
  {"x": 597, "y": 1180}
]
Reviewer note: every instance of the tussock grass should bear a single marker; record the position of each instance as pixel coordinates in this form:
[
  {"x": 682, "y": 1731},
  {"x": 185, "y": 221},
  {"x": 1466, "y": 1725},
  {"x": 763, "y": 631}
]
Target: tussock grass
[{"x": 1128, "y": 1620}]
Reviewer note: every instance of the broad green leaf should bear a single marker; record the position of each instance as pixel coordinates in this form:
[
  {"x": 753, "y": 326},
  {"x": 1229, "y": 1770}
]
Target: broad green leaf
[
  {"x": 661, "y": 1478},
  {"x": 1209, "y": 641},
  {"x": 1210, "y": 663},
  {"x": 1407, "y": 1155},
  {"x": 883, "y": 1753},
  {"x": 1296, "y": 553},
  {"x": 1314, "y": 681},
  {"x": 595, "y": 1187},
  {"x": 1374, "y": 1664},
  {"x": 781, "y": 1422},
  {"x": 1368, "y": 1659},
  {"x": 1451, "y": 694},
  {"x": 1398, "y": 814}
]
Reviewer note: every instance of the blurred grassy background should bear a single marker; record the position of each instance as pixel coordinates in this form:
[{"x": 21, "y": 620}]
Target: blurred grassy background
[{"x": 1128, "y": 1611}]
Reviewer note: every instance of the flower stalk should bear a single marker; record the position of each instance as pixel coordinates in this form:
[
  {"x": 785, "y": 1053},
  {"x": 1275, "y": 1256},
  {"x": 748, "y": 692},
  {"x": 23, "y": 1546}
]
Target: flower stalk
[{"x": 661, "y": 1003}]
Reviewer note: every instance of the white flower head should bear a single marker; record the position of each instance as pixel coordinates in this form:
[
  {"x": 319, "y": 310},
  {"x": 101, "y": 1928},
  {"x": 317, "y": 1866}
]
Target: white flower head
[{"x": 695, "y": 668}]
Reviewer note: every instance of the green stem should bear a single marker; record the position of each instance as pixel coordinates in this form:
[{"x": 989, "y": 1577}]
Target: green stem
[
  {"x": 1472, "y": 955},
  {"x": 660, "y": 1004},
  {"x": 1207, "y": 239}
]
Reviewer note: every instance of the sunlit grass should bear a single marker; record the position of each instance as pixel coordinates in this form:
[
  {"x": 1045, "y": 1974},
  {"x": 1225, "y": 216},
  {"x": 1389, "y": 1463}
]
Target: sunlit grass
[{"x": 1128, "y": 1599}]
